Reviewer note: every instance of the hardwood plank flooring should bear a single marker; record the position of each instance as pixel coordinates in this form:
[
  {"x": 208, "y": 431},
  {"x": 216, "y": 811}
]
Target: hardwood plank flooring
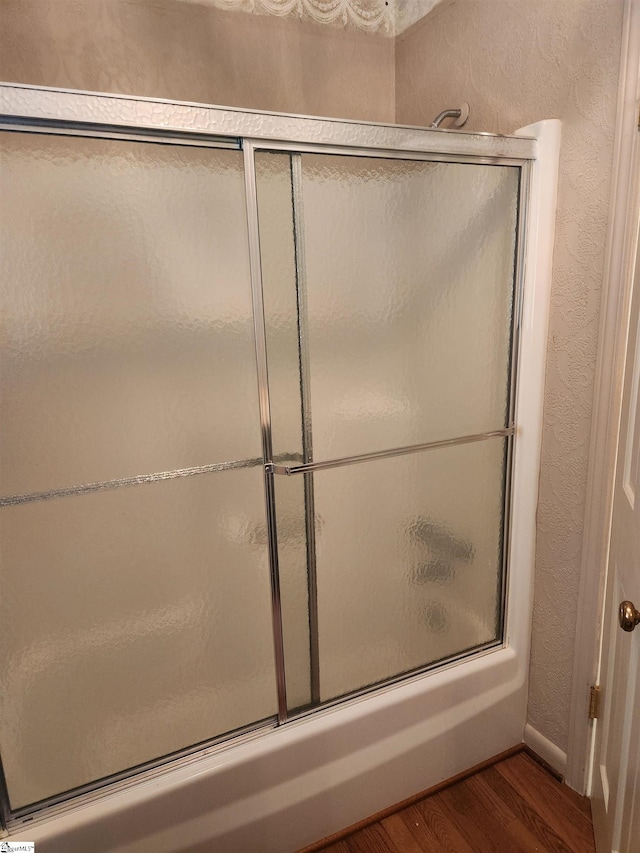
[{"x": 512, "y": 806}]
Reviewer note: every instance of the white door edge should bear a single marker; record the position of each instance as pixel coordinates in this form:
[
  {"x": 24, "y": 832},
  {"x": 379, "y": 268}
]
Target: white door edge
[{"x": 624, "y": 205}]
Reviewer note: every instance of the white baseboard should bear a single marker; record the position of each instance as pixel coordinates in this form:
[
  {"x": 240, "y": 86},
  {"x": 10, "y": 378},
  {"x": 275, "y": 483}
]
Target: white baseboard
[{"x": 547, "y": 750}]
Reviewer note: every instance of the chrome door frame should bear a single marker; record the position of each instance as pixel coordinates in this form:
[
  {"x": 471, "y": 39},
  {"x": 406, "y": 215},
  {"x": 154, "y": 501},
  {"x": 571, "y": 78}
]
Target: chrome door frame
[{"x": 251, "y": 146}]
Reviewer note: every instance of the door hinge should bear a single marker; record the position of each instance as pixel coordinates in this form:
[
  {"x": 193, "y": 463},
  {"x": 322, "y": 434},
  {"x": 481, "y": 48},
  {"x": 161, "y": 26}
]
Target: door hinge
[{"x": 594, "y": 702}]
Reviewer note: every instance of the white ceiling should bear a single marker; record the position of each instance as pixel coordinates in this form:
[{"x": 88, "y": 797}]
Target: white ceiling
[{"x": 410, "y": 11}]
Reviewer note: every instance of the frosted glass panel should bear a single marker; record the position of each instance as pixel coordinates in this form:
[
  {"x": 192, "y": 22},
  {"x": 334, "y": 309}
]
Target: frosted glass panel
[
  {"x": 135, "y": 622},
  {"x": 277, "y": 257},
  {"x": 409, "y": 561},
  {"x": 388, "y": 291},
  {"x": 126, "y": 311},
  {"x": 408, "y": 273},
  {"x": 294, "y": 591}
]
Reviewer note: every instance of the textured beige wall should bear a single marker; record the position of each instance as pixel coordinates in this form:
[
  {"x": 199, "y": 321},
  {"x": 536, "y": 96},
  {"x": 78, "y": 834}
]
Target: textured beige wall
[
  {"x": 515, "y": 62},
  {"x": 193, "y": 52}
]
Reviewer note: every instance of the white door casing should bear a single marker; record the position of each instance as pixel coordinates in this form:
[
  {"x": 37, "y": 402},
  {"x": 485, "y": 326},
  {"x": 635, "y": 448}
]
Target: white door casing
[
  {"x": 610, "y": 368},
  {"x": 615, "y": 782}
]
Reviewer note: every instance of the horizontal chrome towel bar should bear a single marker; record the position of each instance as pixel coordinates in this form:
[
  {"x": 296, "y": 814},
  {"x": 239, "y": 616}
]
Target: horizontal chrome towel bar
[{"x": 385, "y": 454}]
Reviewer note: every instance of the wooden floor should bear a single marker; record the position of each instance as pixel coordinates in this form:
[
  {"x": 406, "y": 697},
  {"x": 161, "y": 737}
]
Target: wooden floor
[{"x": 514, "y": 806}]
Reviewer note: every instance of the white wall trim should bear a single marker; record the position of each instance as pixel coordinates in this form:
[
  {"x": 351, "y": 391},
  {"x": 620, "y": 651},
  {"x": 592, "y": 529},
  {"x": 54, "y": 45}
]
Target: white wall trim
[
  {"x": 606, "y": 410},
  {"x": 545, "y": 749}
]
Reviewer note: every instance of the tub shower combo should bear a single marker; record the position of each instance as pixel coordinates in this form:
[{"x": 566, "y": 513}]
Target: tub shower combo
[{"x": 271, "y": 402}]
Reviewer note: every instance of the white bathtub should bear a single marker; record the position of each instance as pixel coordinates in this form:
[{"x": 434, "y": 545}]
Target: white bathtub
[{"x": 297, "y": 784}]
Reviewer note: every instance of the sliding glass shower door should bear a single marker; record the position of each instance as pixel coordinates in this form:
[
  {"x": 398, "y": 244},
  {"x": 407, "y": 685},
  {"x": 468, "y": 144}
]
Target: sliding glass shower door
[
  {"x": 136, "y": 611},
  {"x": 187, "y": 328},
  {"x": 389, "y": 303}
]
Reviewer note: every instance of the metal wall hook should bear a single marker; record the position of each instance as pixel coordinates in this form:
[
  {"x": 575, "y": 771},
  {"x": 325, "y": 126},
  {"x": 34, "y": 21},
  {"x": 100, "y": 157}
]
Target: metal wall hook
[{"x": 460, "y": 115}]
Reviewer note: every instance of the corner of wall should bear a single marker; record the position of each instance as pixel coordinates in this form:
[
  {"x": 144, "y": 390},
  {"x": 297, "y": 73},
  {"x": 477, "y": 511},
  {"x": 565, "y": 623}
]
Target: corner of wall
[{"x": 516, "y": 63}]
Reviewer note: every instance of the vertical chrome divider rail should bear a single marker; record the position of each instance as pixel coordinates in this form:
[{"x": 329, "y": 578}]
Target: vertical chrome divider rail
[
  {"x": 265, "y": 418},
  {"x": 307, "y": 434},
  {"x": 524, "y": 189}
]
